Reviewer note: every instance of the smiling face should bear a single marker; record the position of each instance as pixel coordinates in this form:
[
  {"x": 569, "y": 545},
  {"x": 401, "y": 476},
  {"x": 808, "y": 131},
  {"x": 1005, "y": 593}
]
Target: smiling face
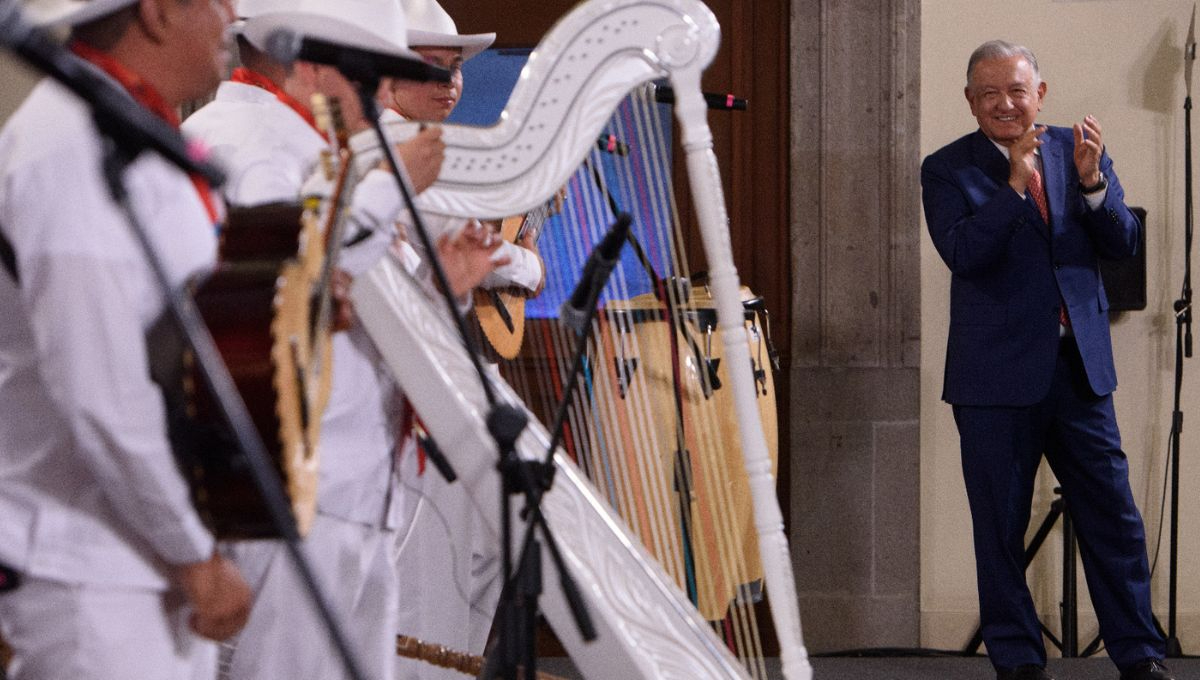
[
  {"x": 430, "y": 101},
  {"x": 1005, "y": 95}
]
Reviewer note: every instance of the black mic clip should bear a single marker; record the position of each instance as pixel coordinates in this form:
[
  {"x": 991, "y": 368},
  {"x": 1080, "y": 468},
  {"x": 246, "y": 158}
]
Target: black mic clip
[
  {"x": 610, "y": 144},
  {"x": 665, "y": 94}
]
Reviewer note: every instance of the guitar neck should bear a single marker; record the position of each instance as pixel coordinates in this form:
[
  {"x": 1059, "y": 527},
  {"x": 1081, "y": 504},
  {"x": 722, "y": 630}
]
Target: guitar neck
[{"x": 532, "y": 226}]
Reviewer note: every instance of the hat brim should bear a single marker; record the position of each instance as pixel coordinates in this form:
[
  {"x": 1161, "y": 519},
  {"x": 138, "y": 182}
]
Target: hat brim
[
  {"x": 74, "y": 12},
  {"x": 327, "y": 28},
  {"x": 471, "y": 44}
]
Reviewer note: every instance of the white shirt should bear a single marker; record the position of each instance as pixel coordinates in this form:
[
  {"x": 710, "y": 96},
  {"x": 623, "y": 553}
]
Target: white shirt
[
  {"x": 269, "y": 152},
  {"x": 266, "y": 147},
  {"x": 89, "y": 488}
]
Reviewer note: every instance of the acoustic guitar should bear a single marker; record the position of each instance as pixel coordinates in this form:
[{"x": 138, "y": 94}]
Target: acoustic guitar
[{"x": 501, "y": 311}]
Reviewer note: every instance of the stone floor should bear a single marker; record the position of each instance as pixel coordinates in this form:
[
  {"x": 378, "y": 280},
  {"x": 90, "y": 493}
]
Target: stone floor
[{"x": 945, "y": 668}]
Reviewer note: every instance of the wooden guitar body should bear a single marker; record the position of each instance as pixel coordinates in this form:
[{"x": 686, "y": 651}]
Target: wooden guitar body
[
  {"x": 257, "y": 305},
  {"x": 505, "y": 331}
]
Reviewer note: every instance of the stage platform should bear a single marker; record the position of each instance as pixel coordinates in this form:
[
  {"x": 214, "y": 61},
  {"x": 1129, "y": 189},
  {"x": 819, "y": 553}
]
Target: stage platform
[{"x": 943, "y": 668}]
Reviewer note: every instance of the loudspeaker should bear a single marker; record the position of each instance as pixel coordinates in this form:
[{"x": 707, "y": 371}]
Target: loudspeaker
[{"x": 1125, "y": 280}]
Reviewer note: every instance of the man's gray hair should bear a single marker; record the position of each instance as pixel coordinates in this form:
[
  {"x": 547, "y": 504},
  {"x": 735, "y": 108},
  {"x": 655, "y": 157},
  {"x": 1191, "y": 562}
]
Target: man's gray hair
[{"x": 1000, "y": 49}]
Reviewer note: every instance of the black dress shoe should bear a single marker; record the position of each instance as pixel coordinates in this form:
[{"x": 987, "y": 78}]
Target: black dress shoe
[
  {"x": 1026, "y": 672},
  {"x": 1151, "y": 669}
]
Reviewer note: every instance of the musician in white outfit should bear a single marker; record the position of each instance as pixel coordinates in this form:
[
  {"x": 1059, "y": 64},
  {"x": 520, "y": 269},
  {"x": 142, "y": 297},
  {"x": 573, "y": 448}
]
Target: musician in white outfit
[
  {"x": 259, "y": 126},
  {"x": 433, "y": 34},
  {"x": 94, "y": 515},
  {"x": 454, "y": 568}
]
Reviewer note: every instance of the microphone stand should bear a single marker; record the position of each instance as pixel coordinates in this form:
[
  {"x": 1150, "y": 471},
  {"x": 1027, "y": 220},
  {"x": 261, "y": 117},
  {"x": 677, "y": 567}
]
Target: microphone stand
[
  {"x": 505, "y": 423},
  {"x": 1183, "y": 343},
  {"x": 518, "y": 601},
  {"x": 121, "y": 148}
]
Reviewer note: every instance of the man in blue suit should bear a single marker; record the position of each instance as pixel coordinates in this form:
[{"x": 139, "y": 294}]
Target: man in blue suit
[{"x": 1019, "y": 212}]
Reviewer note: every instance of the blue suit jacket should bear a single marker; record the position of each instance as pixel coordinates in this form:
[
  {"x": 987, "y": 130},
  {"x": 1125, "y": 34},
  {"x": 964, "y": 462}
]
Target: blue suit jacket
[{"x": 1009, "y": 269}]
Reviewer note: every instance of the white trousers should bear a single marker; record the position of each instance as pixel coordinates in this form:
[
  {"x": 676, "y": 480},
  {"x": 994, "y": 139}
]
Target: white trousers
[
  {"x": 62, "y": 631},
  {"x": 285, "y": 638},
  {"x": 449, "y": 568}
]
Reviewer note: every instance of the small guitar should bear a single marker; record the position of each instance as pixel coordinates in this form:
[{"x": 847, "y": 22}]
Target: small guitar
[
  {"x": 501, "y": 311},
  {"x": 270, "y": 311}
]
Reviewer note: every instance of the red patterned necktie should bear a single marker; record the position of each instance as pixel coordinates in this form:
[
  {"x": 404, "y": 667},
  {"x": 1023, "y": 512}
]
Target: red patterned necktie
[{"x": 1038, "y": 193}]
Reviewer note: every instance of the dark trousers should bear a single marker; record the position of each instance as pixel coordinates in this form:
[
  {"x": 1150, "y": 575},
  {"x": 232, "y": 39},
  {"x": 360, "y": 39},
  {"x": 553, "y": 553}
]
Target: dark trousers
[{"x": 1001, "y": 450}]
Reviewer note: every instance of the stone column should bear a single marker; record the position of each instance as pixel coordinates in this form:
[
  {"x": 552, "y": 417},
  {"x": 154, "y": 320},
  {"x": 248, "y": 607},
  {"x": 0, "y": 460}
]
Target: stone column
[{"x": 855, "y": 400}]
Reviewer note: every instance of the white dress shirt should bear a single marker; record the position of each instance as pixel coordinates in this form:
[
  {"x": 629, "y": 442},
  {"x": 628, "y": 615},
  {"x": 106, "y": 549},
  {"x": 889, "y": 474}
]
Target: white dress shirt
[
  {"x": 266, "y": 147},
  {"x": 89, "y": 488}
]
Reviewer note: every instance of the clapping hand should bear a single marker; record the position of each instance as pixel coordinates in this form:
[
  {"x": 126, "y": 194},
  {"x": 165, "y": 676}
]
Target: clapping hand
[
  {"x": 1088, "y": 147},
  {"x": 1022, "y": 160}
]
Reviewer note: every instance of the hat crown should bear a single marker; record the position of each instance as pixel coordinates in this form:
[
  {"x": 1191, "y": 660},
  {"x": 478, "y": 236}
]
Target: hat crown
[
  {"x": 246, "y": 9},
  {"x": 375, "y": 25},
  {"x": 429, "y": 25},
  {"x": 429, "y": 16}
]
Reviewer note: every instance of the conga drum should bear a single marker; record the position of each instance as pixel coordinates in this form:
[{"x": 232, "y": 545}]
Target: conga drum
[{"x": 666, "y": 447}]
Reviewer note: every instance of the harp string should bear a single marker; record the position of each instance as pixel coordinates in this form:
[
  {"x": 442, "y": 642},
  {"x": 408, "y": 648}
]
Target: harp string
[
  {"x": 700, "y": 433},
  {"x": 624, "y": 424}
]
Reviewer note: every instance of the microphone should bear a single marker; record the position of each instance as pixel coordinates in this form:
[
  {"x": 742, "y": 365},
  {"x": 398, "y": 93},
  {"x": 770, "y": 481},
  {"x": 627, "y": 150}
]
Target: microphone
[
  {"x": 577, "y": 310},
  {"x": 117, "y": 115},
  {"x": 610, "y": 144},
  {"x": 285, "y": 47},
  {"x": 665, "y": 94}
]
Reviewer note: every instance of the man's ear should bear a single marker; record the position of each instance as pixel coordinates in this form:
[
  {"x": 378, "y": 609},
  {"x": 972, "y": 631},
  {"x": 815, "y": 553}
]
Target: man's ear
[
  {"x": 1041, "y": 90},
  {"x": 155, "y": 18}
]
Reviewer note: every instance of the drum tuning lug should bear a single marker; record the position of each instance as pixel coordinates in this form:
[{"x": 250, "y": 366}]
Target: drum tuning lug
[
  {"x": 713, "y": 382},
  {"x": 679, "y": 288},
  {"x": 625, "y": 368},
  {"x": 760, "y": 376}
]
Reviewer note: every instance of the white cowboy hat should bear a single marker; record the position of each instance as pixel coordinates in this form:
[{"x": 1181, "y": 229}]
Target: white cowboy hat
[
  {"x": 372, "y": 25},
  {"x": 72, "y": 12},
  {"x": 244, "y": 9},
  {"x": 430, "y": 26}
]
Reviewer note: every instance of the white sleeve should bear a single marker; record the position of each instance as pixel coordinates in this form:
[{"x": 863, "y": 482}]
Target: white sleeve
[
  {"x": 524, "y": 268},
  {"x": 1094, "y": 201},
  {"x": 371, "y": 226},
  {"x": 263, "y": 180}
]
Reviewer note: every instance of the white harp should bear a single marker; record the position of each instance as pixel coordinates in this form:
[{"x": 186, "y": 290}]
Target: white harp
[{"x": 589, "y": 61}]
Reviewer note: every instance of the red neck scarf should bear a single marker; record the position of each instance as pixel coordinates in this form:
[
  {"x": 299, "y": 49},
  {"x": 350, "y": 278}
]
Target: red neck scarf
[
  {"x": 145, "y": 94},
  {"x": 247, "y": 77}
]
